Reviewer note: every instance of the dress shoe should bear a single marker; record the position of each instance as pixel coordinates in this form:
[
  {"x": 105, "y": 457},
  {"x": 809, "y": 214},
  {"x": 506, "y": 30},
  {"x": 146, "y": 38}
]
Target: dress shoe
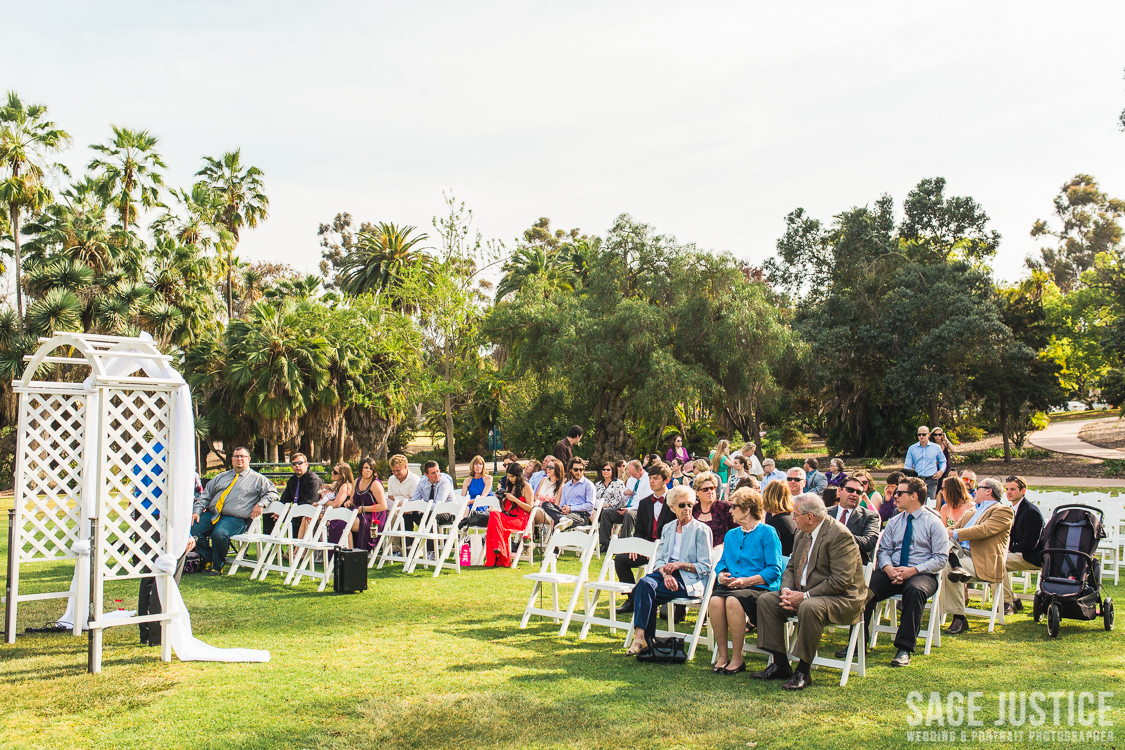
[
  {"x": 213, "y": 572},
  {"x": 626, "y": 608},
  {"x": 740, "y": 668},
  {"x": 902, "y": 658},
  {"x": 843, "y": 653},
  {"x": 1017, "y": 605},
  {"x": 1009, "y": 609},
  {"x": 774, "y": 672},
  {"x": 958, "y": 575},
  {"x": 799, "y": 681},
  {"x": 959, "y": 625}
]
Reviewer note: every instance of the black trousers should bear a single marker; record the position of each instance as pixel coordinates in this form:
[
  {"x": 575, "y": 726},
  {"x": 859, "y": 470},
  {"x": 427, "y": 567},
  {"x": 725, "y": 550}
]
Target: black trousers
[
  {"x": 915, "y": 591},
  {"x": 609, "y": 518}
]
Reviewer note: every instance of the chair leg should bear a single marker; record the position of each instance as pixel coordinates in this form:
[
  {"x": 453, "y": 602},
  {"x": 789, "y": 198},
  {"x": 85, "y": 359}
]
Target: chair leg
[
  {"x": 699, "y": 618},
  {"x": 530, "y": 603},
  {"x": 570, "y": 608}
]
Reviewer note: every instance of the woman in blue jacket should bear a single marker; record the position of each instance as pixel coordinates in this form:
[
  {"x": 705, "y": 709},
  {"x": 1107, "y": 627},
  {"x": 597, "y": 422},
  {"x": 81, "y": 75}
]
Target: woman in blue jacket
[{"x": 751, "y": 564}]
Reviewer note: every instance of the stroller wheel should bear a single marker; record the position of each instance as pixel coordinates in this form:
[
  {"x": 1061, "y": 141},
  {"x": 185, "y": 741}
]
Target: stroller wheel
[
  {"x": 1053, "y": 618},
  {"x": 1107, "y": 613}
]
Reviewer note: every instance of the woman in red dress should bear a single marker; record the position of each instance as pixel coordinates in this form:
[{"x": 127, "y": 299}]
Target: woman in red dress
[{"x": 515, "y": 506}]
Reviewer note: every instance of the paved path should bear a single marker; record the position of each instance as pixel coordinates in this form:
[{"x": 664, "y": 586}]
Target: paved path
[{"x": 1062, "y": 437}]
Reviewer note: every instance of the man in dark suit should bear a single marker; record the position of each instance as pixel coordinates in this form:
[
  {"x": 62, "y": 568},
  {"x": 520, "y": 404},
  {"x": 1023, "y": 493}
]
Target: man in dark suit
[
  {"x": 1023, "y": 544},
  {"x": 862, "y": 522},
  {"x": 822, "y": 584},
  {"x": 652, "y": 515},
  {"x": 303, "y": 488}
]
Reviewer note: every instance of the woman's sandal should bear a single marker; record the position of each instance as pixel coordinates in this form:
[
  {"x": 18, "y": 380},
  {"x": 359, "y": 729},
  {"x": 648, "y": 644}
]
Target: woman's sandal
[{"x": 635, "y": 648}]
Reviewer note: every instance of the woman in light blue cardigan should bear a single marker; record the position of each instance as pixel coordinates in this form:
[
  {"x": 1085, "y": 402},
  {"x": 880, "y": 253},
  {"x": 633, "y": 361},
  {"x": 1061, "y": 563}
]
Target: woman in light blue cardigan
[
  {"x": 681, "y": 568},
  {"x": 750, "y": 566}
]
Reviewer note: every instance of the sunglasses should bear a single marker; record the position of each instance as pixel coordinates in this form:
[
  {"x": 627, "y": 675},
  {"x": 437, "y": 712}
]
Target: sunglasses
[
  {"x": 706, "y": 489},
  {"x": 792, "y": 479},
  {"x": 298, "y": 463},
  {"x": 902, "y": 492},
  {"x": 864, "y": 482},
  {"x": 335, "y": 472},
  {"x": 938, "y": 434},
  {"x": 923, "y": 434},
  {"x": 681, "y": 506},
  {"x": 850, "y": 490}
]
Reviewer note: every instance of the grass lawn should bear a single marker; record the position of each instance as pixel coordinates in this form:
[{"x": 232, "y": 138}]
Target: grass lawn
[{"x": 422, "y": 663}]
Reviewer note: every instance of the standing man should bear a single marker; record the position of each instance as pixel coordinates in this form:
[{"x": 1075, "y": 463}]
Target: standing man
[
  {"x": 862, "y": 522},
  {"x": 772, "y": 473},
  {"x": 577, "y": 496},
  {"x": 928, "y": 459},
  {"x": 979, "y": 548},
  {"x": 823, "y": 583},
  {"x": 564, "y": 449},
  {"x": 1023, "y": 546},
  {"x": 912, "y": 552},
  {"x": 651, "y": 516},
  {"x": 302, "y": 488},
  {"x": 225, "y": 509}
]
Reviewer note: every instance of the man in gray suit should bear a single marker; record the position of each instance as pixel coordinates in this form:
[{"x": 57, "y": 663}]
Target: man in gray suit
[
  {"x": 862, "y": 522},
  {"x": 823, "y": 583}
]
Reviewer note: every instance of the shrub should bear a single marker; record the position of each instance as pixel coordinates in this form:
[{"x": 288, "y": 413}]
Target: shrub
[
  {"x": 872, "y": 464},
  {"x": 792, "y": 437},
  {"x": 1114, "y": 467},
  {"x": 773, "y": 448},
  {"x": 974, "y": 457},
  {"x": 971, "y": 434},
  {"x": 1034, "y": 453},
  {"x": 424, "y": 456},
  {"x": 1040, "y": 420}
]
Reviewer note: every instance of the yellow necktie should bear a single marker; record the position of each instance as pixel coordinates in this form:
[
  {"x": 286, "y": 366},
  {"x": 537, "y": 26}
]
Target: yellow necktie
[{"x": 222, "y": 499}]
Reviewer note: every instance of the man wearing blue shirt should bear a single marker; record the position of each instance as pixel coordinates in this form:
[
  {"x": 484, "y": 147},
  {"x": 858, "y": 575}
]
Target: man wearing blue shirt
[
  {"x": 773, "y": 474},
  {"x": 928, "y": 460},
  {"x": 577, "y": 496}
]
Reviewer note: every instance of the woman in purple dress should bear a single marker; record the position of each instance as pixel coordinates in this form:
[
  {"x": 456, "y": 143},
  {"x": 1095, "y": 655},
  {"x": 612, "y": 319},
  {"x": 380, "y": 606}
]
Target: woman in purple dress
[
  {"x": 677, "y": 450},
  {"x": 371, "y": 501}
]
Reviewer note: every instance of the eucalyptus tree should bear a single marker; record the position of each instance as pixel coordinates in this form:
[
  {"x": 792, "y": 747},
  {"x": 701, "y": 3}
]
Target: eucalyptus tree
[
  {"x": 130, "y": 172},
  {"x": 1088, "y": 223},
  {"x": 238, "y": 201},
  {"x": 26, "y": 138}
]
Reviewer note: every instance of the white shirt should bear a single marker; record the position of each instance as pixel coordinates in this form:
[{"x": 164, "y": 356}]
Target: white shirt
[
  {"x": 641, "y": 489},
  {"x": 404, "y": 490},
  {"x": 808, "y": 560},
  {"x": 677, "y": 537}
]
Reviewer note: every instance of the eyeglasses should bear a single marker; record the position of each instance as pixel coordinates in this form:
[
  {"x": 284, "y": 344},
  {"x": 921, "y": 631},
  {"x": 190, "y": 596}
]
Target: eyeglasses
[
  {"x": 902, "y": 492},
  {"x": 850, "y": 490},
  {"x": 706, "y": 489},
  {"x": 863, "y": 482},
  {"x": 607, "y": 468}
]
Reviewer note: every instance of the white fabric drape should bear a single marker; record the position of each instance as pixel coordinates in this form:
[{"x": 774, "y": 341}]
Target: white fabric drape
[{"x": 181, "y": 498}]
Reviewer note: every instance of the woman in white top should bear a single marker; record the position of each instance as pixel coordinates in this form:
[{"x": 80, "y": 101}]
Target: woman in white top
[
  {"x": 549, "y": 494},
  {"x": 750, "y": 451}
]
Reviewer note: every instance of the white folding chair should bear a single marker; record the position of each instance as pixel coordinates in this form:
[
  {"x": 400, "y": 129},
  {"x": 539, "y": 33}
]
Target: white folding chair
[
  {"x": 283, "y": 540},
  {"x": 255, "y": 537},
  {"x": 608, "y": 584},
  {"x": 888, "y": 610},
  {"x": 856, "y": 657},
  {"x": 305, "y": 551},
  {"x": 526, "y": 541},
  {"x": 548, "y": 574},
  {"x": 443, "y": 534},
  {"x": 396, "y": 531},
  {"x": 700, "y": 603},
  {"x": 489, "y": 503},
  {"x": 995, "y": 613}
]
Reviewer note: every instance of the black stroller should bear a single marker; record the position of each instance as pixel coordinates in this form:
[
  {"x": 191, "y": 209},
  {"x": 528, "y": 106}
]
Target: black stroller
[{"x": 1070, "y": 582}]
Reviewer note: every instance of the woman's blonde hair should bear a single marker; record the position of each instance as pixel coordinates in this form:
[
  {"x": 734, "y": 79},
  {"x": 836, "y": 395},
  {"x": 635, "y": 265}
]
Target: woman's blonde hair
[
  {"x": 477, "y": 460},
  {"x": 720, "y": 451},
  {"x": 701, "y": 465},
  {"x": 678, "y": 493},
  {"x": 748, "y": 501},
  {"x": 777, "y": 498},
  {"x": 345, "y": 475}
]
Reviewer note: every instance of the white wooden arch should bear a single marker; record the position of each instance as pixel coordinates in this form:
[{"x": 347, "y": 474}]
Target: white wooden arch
[{"x": 93, "y": 476}]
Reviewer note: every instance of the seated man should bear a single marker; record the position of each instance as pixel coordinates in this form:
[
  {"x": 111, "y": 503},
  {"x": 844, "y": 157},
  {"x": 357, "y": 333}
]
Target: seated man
[
  {"x": 815, "y": 481},
  {"x": 302, "y": 488},
  {"x": 637, "y": 488},
  {"x": 980, "y": 547},
  {"x": 912, "y": 553},
  {"x": 651, "y": 517},
  {"x": 863, "y": 523},
  {"x": 795, "y": 480},
  {"x": 823, "y": 583},
  {"x": 225, "y": 509},
  {"x": 577, "y": 496},
  {"x": 433, "y": 487},
  {"x": 772, "y": 473},
  {"x": 1023, "y": 546},
  {"x": 402, "y": 482}
]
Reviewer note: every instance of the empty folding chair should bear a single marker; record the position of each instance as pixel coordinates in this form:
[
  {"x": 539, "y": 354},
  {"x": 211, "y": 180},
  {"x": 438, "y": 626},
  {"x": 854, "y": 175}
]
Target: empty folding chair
[
  {"x": 283, "y": 541},
  {"x": 256, "y": 537},
  {"x": 606, "y": 583},
  {"x": 441, "y": 534},
  {"x": 306, "y": 552},
  {"x": 548, "y": 575}
]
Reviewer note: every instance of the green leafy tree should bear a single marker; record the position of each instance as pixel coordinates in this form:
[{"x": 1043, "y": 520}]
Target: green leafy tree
[
  {"x": 26, "y": 137},
  {"x": 1087, "y": 224},
  {"x": 940, "y": 229},
  {"x": 1078, "y": 322},
  {"x": 238, "y": 201}
]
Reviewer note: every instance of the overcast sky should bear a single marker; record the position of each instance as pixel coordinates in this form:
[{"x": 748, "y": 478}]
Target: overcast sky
[{"x": 710, "y": 121}]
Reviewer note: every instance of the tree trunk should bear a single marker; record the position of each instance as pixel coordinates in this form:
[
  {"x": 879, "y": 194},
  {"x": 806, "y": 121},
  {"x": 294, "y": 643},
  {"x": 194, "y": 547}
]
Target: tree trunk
[
  {"x": 340, "y": 435},
  {"x": 935, "y": 417},
  {"x": 1004, "y": 430},
  {"x": 15, "y": 218},
  {"x": 611, "y": 439},
  {"x": 230, "y": 286},
  {"x": 201, "y": 455},
  {"x": 273, "y": 453},
  {"x": 450, "y": 446}
]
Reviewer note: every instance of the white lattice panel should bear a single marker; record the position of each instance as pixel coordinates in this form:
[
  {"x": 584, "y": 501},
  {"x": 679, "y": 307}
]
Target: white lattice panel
[
  {"x": 136, "y": 426},
  {"x": 49, "y": 485}
]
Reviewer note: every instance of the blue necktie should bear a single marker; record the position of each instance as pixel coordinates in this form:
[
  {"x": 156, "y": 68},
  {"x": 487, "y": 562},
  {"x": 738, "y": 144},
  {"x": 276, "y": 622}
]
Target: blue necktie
[{"x": 907, "y": 537}]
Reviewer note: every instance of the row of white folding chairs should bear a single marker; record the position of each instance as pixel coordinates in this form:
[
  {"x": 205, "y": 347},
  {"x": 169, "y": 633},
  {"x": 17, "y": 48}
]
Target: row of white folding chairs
[
  {"x": 430, "y": 529},
  {"x": 304, "y": 550}
]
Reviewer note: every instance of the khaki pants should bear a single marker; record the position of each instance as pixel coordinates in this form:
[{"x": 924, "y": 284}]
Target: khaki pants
[
  {"x": 953, "y": 594},
  {"x": 1015, "y": 561},
  {"x": 812, "y": 615}
]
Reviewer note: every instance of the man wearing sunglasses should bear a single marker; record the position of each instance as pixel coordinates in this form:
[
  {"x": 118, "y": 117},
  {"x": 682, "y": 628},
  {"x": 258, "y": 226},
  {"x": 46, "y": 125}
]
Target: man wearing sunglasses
[
  {"x": 928, "y": 460},
  {"x": 862, "y": 522},
  {"x": 302, "y": 488},
  {"x": 978, "y": 548},
  {"x": 577, "y": 496}
]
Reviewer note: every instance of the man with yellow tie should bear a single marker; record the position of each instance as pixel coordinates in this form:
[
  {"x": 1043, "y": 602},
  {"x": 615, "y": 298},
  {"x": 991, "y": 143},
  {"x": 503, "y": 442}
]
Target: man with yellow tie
[{"x": 231, "y": 501}]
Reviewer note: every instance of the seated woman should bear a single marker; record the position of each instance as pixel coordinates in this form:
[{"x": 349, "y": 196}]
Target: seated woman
[
  {"x": 835, "y": 472},
  {"x": 871, "y": 498},
  {"x": 478, "y": 483},
  {"x": 741, "y": 471},
  {"x": 708, "y": 509},
  {"x": 683, "y": 562},
  {"x": 957, "y": 503},
  {"x": 515, "y": 505},
  {"x": 371, "y": 501},
  {"x": 609, "y": 490},
  {"x": 751, "y": 564},
  {"x": 888, "y": 507},
  {"x": 335, "y": 495},
  {"x": 678, "y": 476},
  {"x": 779, "y": 507},
  {"x": 548, "y": 496}
]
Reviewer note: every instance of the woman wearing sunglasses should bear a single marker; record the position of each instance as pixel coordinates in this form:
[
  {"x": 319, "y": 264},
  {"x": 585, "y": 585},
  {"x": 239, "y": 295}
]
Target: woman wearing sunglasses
[{"x": 681, "y": 567}]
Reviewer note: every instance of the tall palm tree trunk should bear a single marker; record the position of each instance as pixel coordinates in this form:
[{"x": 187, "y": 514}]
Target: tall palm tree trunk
[{"x": 15, "y": 217}]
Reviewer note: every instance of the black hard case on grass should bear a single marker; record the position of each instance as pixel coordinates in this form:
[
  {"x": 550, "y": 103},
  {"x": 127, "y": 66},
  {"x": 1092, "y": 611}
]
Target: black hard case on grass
[{"x": 349, "y": 571}]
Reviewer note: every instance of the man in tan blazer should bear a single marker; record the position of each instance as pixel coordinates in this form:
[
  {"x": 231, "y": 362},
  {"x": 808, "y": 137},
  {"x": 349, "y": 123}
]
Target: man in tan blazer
[
  {"x": 985, "y": 532},
  {"x": 823, "y": 583}
]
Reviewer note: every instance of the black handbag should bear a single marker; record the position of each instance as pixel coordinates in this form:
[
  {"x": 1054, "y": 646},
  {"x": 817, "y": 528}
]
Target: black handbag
[
  {"x": 476, "y": 519},
  {"x": 664, "y": 651}
]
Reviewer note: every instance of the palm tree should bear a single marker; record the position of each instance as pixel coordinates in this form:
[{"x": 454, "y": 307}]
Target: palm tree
[
  {"x": 531, "y": 262},
  {"x": 26, "y": 136},
  {"x": 379, "y": 257},
  {"x": 238, "y": 202},
  {"x": 131, "y": 166}
]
